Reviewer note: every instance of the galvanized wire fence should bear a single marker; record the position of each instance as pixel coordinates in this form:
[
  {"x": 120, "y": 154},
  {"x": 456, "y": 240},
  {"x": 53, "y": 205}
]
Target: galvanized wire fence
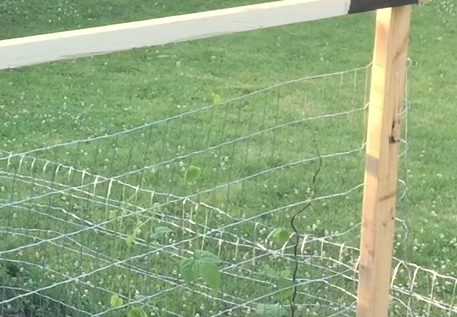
[{"x": 106, "y": 226}]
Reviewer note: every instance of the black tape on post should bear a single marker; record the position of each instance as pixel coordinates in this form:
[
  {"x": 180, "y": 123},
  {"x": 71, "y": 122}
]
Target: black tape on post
[{"x": 358, "y": 6}]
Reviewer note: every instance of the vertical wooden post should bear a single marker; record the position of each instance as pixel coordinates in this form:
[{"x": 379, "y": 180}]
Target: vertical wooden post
[{"x": 381, "y": 173}]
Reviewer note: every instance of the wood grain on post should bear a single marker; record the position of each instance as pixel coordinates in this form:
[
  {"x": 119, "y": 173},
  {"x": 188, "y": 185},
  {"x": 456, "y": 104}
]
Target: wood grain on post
[{"x": 387, "y": 99}]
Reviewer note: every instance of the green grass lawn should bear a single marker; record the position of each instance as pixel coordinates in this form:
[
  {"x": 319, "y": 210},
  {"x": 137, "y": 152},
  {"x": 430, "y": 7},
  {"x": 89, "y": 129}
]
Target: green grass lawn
[{"x": 256, "y": 157}]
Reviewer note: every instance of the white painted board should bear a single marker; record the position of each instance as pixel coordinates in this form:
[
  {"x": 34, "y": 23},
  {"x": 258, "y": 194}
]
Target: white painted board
[{"x": 20, "y": 52}]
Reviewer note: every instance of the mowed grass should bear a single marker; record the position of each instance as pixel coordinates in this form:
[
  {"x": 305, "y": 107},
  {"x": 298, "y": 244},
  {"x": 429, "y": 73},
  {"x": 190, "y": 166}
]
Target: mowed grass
[
  {"x": 60, "y": 102},
  {"x": 256, "y": 163}
]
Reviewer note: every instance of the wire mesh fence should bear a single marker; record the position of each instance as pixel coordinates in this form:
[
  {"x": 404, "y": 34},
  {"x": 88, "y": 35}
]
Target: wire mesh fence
[{"x": 193, "y": 215}]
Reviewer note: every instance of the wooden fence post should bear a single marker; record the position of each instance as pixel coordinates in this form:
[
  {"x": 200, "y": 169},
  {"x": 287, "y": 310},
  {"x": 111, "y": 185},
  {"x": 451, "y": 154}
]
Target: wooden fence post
[{"x": 387, "y": 99}]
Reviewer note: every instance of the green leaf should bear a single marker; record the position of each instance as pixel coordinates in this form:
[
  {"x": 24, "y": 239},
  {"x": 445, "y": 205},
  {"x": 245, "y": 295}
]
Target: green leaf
[
  {"x": 207, "y": 256},
  {"x": 209, "y": 271},
  {"x": 270, "y": 272},
  {"x": 270, "y": 310},
  {"x": 193, "y": 173},
  {"x": 137, "y": 312},
  {"x": 130, "y": 238},
  {"x": 285, "y": 273},
  {"x": 216, "y": 99},
  {"x": 161, "y": 231},
  {"x": 116, "y": 301},
  {"x": 156, "y": 207},
  {"x": 286, "y": 287},
  {"x": 189, "y": 270},
  {"x": 281, "y": 236},
  {"x": 113, "y": 214},
  {"x": 140, "y": 297}
]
